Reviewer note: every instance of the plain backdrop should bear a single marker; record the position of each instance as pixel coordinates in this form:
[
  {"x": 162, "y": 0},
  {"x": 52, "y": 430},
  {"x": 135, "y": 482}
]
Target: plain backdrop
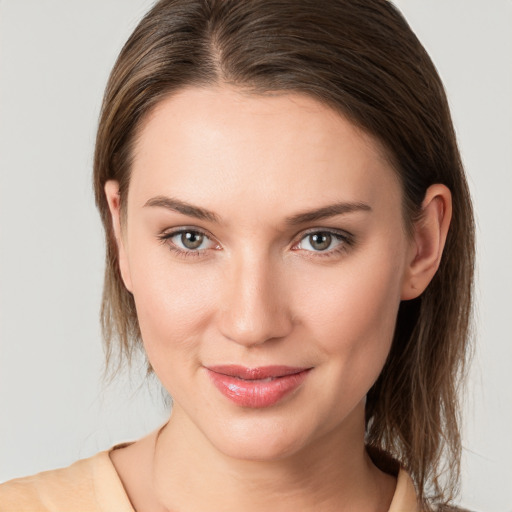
[{"x": 55, "y": 56}]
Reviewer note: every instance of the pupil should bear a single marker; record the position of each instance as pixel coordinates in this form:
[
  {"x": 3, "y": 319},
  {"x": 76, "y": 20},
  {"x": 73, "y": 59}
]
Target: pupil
[
  {"x": 320, "y": 241},
  {"x": 191, "y": 240}
]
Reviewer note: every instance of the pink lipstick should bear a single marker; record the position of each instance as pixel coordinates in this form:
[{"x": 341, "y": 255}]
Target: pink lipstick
[{"x": 256, "y": 387}]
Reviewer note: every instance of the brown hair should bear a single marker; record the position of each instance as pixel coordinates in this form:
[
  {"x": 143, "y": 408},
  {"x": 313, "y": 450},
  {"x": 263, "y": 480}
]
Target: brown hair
[{"x": 361, "y": 58}]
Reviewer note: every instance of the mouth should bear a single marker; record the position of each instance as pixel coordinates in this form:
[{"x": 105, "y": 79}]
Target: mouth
[{"x": 256, "y": 387}]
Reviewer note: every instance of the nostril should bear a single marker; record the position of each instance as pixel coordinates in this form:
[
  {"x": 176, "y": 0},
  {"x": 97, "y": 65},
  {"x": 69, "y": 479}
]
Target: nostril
[{"x": 254, "y": 307}]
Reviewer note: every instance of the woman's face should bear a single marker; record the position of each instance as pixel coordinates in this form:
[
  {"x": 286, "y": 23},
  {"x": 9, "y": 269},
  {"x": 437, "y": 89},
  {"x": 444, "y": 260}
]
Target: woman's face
[{"x": 265, "y": 248}]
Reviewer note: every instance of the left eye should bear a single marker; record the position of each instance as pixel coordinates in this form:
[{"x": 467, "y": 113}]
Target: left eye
[
  {"x": 320, "y": 241},
  {"x": 189, "y": 240}
]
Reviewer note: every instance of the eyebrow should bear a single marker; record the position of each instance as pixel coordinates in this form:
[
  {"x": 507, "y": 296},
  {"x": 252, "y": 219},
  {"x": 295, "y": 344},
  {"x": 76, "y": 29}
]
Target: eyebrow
[
  {"x": 324, "y": 212},
  {"x": 179, "y": 206}
]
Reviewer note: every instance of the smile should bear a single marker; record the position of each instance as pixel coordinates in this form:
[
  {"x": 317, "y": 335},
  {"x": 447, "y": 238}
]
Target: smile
[{"x": 256, "y": 387}]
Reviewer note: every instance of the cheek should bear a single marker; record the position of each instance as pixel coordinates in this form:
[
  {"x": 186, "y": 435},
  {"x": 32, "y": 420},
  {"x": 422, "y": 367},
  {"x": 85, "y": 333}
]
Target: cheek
[
  {"x": 353, "y": 315},
  {"x": 352, "y": 323},
  {"x": 171, "y": 303}
]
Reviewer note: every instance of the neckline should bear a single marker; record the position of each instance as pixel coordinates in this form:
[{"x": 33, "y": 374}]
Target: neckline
[{"x": 112, "y": 497}]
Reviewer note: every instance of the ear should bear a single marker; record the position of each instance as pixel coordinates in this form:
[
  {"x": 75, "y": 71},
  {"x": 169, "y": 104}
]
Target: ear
[
  {"x": 427, "y": 244},
  {"x": 114, "y": 204}
]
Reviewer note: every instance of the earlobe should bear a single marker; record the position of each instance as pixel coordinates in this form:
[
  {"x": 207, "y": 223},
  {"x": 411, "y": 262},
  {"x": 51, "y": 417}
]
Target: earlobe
[
  {"x": 114, "y": 204},
  {"x": 429, "y": 238}
]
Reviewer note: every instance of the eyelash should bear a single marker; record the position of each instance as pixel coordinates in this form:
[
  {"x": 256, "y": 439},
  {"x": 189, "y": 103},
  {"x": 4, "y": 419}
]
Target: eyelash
[
  {"x": 165, "y": 238},
  {"x": 346, "y": 241}
]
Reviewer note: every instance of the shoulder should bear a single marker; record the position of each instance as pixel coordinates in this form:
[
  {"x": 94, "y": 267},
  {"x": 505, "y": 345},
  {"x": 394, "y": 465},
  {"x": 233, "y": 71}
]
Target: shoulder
[
  {"x": 89, "y": 484},
  {"x": 405, "y": 498},
  {"x": 59, "y": 489},
  {"x": 451, "y": 508}
]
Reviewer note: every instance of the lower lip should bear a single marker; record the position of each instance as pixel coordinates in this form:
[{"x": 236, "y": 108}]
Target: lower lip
[{"x": 257, "y": 393}]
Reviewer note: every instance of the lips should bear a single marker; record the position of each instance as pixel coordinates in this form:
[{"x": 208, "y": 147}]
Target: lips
[{"x": 256, "y": 387}]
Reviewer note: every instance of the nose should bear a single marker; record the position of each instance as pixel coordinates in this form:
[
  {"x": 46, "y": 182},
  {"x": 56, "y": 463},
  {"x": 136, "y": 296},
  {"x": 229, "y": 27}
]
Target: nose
[{"x": 254, "y": 305}]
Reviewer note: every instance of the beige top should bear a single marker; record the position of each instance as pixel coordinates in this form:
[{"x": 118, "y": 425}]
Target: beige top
[{"x": 93, "y": 485}]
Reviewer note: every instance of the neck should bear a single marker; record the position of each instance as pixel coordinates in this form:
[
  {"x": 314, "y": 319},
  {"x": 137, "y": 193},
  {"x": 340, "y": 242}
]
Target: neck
[{"x": 332, "y": 474}]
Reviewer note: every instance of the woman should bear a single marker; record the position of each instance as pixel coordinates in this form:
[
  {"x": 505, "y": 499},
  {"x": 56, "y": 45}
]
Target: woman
[{"x": 290, "y": 237}]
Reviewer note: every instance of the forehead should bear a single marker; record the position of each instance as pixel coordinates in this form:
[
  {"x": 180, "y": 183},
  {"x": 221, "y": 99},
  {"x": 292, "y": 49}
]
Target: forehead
[{"x": 220, "y": 146}]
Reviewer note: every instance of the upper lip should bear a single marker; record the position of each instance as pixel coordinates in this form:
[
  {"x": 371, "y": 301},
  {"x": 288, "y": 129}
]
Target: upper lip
[{"x": 261, "y": 372}]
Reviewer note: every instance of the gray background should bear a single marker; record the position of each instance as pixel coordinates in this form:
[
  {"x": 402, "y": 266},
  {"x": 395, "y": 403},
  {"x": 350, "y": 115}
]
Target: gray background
[{"x": 55, "y": 56}]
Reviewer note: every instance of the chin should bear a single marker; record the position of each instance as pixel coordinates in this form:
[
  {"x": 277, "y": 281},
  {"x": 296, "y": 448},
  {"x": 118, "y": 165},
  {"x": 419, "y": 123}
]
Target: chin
[
  {"x": 261, "y": 448},
  {"x": 260, "y": 439}
]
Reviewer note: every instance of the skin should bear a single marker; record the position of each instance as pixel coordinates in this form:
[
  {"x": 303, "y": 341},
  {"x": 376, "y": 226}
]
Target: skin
[{"x": 259, "y": 292}]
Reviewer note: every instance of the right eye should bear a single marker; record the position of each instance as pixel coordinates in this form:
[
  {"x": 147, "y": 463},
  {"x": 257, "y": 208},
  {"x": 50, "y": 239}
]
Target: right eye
[{"x": 188, "y": 242}]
